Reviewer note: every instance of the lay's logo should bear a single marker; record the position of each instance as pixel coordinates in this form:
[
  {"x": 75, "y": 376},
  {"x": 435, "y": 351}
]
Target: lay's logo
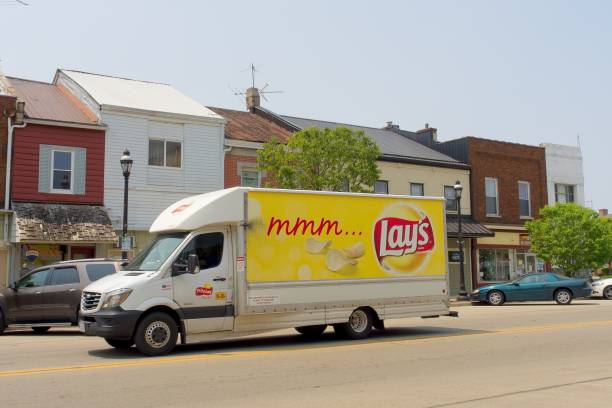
[{"x": 398, "y": 237}]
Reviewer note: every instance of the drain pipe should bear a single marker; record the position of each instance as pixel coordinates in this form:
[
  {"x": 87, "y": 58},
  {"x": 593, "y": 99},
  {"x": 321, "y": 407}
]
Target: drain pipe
[{"x": 7, "y": 190}]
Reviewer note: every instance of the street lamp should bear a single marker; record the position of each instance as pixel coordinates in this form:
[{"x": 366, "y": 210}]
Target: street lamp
[
  {"x": 458, "y": 190},
  {"x": 126, "y": 165}
]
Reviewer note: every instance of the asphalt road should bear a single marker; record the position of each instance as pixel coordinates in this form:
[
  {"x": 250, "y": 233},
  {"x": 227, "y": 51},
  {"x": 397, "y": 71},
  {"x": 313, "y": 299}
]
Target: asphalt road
[{"x": 528, "y": 355}]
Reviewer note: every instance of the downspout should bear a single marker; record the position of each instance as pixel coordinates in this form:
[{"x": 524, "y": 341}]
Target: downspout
[{"x": 7, "y": 190}]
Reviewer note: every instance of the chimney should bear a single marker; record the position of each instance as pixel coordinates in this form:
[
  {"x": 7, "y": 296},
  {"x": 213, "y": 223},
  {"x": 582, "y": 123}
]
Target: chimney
[
  {"x": 603, "y": 212},
  {"x": 252, "y": 99},
  {"x": 391, "y": 126}
]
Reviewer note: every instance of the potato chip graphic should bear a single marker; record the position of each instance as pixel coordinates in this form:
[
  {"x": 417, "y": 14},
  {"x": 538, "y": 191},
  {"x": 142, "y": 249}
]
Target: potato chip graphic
[
  {"x": 314, "y": 246},
  {"x": 336, "y": 260},
  {"x": 354, "y": 251}
]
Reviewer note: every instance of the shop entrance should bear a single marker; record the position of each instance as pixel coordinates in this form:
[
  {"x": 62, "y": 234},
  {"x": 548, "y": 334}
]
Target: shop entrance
[{"x": 82, "y": 252}]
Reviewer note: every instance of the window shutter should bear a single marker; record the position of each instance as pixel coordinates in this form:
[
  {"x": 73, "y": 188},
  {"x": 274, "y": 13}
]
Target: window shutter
[
  {"x": 44, "y": 169},
  {"x": 80, "y": 170}
]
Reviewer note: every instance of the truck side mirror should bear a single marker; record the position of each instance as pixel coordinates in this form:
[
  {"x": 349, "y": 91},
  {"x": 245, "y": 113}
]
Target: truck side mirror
[
  {"x": 12, "y": 285},
  {"x": 193, "y": 264}
]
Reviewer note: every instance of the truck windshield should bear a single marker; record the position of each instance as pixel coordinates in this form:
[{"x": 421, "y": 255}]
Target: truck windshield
[{"x": 151, "y": 258}]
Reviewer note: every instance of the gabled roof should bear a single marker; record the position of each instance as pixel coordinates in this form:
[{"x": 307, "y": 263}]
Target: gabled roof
[
  {"x": 391, "y": 144},
  {"x": 51, "y": 102},
  {"x": 119, "y": 92},
  {"x": 242, "y": 125}
]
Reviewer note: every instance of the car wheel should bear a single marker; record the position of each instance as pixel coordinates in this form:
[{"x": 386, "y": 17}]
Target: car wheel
[
  {"x": 496, "y": 298},
  {"x": 563, "y": 297},
  {"x": 607, "y": 292},
  {"x": 1, "y": 322},
  {"x": 311, "y": 331},
  {"x": 156, "y": 334},
  {"x": 122, "y": 344},
  {"x": 358, "y": 326},
  {"x": 41, "y": 329}
]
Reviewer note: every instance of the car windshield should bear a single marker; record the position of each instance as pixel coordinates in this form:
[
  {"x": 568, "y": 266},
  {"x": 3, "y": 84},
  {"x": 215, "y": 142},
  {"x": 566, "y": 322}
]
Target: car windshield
[{"x": 156, "y": 253}]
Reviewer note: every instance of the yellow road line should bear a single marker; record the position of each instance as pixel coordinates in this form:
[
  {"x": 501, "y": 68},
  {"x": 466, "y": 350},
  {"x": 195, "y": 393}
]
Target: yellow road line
[{"x": 143, "y": 362}]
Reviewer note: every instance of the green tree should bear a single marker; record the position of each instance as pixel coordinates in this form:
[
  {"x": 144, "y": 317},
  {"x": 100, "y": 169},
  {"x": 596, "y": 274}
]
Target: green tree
[
  {"x": 571, "y": 237},
  {"x": 322, "y": 159}
]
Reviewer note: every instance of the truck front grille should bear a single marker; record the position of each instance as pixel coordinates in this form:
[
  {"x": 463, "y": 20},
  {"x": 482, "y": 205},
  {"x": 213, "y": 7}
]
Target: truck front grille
[{"x": 90, "y": 300}]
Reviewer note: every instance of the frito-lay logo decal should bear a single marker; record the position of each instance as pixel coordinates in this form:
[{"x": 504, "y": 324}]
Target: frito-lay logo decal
[
  {"x": 398, "y": 237},
  {"x": 206, "y": 290}
]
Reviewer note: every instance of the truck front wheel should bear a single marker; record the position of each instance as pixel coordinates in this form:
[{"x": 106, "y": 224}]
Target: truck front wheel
[
  {"x": 311, "y": 331},
  {"x": 156, "y": 334},
  {"x": 358, "y": 326}
]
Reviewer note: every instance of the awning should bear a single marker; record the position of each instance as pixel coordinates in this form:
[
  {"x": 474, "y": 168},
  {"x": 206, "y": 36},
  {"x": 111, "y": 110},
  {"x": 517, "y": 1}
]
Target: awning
[
  {"x": 469, "y": 227},
  {"x": 65, "y": 223}
]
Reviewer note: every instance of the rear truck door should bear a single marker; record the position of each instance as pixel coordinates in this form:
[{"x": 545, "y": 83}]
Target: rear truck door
[
  {"x": 26, "y": 305},
  {"x": 62, "y": 296},
  {"x": 205, "y": 297}
]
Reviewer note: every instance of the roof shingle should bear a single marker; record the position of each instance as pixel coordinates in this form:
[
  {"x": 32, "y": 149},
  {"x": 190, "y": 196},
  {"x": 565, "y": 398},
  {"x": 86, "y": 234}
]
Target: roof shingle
[{"x": 251, "y": 127}]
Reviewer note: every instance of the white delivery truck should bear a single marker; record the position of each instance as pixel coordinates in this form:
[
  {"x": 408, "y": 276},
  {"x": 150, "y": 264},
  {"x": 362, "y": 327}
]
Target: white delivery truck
[{"x": 241, "y": 261}]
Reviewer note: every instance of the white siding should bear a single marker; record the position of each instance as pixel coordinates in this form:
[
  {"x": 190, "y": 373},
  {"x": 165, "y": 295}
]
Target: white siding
[
  {"x": 564, "y": 166},
  {"x": 152, "y": 189}
]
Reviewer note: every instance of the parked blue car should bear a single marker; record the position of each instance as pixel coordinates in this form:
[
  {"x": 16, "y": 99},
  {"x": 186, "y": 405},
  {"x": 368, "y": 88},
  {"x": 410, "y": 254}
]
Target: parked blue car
[{"x": 535, "y": 286}]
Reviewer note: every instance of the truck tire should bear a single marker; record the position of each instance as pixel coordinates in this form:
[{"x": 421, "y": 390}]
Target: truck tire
[
  {"x": 40, "y": 329},
  {"x": 358, "y": 326},
  {"x": 121, "y": 344},
  {"x": 311, "y": 332},
  {"x": 156, "y": 334},
  {"x": 1, "y": 322}
]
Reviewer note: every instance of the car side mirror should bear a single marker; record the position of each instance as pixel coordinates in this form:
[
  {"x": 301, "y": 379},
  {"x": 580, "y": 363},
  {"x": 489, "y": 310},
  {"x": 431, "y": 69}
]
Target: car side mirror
[{"x": 193, "y": 264}]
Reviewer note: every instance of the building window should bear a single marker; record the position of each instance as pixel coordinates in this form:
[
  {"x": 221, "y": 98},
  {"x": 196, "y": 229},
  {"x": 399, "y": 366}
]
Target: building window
[
  {"x": 564, "y": 193},
  {"x": 495, "y": 265},
  {"x": 62, "y": 171},
  {"x": 491, "y": 197},
  {"x": 524, "y": 199},
  {"x": 164, "y": 153},
  {"x": 249, "y": 177},
  {"x": 381, "y": 187},
  {"x": 417, "y": 189},
  {"x": 451, "y": 198}
]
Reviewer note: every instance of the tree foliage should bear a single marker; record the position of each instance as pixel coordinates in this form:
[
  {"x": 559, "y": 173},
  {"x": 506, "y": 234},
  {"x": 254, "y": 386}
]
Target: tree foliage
[
  {"x": 571, "y": 237},
  {"x": 322, "y": 159}
]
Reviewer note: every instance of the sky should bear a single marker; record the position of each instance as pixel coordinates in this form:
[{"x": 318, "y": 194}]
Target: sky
[{"x": 521, "y": 71}]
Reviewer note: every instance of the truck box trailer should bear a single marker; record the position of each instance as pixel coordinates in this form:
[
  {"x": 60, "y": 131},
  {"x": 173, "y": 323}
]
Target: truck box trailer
[{"x": 242, "y": 261}]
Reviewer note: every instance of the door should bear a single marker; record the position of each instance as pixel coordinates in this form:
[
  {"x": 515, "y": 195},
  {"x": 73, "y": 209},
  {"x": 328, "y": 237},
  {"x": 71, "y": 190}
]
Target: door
[
  {"x": 63, "y": 294},
  {"x": 25, "y": 305},
  {"x": 82, "y": 252},
  {"x": 205, "y": 297},
  {"x": 531, "y": 287}
]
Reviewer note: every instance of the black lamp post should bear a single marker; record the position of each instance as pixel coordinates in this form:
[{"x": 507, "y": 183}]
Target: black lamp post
[
  {"x": 126, "y": 165},
  {"x": 458, "y": 190}
]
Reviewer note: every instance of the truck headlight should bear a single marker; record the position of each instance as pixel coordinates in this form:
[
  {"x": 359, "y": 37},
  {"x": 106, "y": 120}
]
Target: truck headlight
[{"x": 115, "y": 298}]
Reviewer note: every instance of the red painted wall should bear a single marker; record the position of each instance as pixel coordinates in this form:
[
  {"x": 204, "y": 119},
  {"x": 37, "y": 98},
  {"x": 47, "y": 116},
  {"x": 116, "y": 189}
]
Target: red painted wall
[
  {"x": 26, "y": 148},
  {"x": 7, "y": 104}
]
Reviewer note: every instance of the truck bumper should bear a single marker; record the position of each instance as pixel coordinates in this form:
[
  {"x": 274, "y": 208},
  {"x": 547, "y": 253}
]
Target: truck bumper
[{"x": 114, "y": 323}]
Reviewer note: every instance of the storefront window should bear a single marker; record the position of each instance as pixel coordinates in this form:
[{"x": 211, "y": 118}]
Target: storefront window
[
  {"x": 33, "y": 256},
  {"x": 495, "y": 265}
]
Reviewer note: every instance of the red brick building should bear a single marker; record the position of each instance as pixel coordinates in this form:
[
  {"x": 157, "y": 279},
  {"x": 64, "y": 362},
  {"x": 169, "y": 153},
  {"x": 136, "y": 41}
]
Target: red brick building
[
  {"x": 508, "y": 188},
  {"x": 56, "y": 180},
  {"x": 245, "y": 132}
]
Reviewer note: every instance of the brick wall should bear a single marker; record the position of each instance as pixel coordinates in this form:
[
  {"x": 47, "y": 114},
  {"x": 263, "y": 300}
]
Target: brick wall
[
  {"x": 509, "y": 163},
  {"x": 7, "y": 108},
  {"x": 232, "y": 164}
]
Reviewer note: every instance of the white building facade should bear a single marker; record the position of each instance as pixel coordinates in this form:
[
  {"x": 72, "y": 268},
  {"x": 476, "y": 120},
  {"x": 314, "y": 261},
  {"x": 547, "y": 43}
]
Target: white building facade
[
  {"x": 564, "y": 174},
  {"x": 176, "y": 145}
]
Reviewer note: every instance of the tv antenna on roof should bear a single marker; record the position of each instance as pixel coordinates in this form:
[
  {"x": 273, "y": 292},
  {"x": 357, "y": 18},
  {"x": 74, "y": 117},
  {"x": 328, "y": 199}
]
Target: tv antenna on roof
[{"x": 253, "y": 93}]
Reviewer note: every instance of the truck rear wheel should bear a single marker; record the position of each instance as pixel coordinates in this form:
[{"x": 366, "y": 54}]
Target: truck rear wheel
[
  {"x": 358, "y": 326},
  {"x": 156, "y": 334},
  {"x": 121, "y": 344},
  {"x": 311, "y": 331}
]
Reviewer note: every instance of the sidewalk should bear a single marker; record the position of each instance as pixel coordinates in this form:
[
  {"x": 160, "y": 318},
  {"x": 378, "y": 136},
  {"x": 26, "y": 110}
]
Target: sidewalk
[{"x": 457, "y": 302}]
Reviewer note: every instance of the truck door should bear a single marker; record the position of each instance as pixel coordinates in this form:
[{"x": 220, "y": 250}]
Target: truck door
[
  {"x": 63, "y": 295},
  {"x": 205, "y": 297}
]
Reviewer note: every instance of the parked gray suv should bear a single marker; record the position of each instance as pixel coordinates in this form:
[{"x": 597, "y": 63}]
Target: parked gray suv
[{"x": 50, "y": 296}]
